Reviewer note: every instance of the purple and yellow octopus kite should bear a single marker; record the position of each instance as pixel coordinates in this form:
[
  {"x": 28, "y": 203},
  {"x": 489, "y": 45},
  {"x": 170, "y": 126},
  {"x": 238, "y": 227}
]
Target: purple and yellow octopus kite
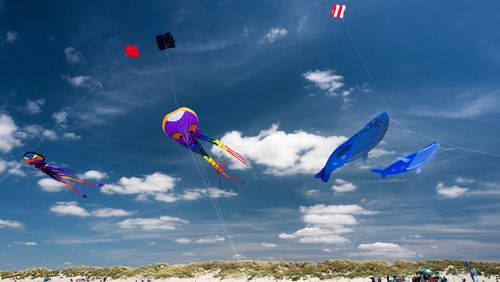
[
  {"x": 182, "y": 126},
  {"x": 59, "y": 174}
]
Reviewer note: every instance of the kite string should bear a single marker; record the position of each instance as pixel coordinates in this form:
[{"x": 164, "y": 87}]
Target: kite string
[
  {"x": 212, "y": 199},
  {"x": 388, "y": 108},
  {"x": 97, "y": 84}
]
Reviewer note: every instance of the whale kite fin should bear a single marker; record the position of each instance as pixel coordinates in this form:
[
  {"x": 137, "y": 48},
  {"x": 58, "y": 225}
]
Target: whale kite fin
[
  {"x": 323, "y": 175},
  {"x": 403, "y": 159},
  {"x": 380, "y": 171}
]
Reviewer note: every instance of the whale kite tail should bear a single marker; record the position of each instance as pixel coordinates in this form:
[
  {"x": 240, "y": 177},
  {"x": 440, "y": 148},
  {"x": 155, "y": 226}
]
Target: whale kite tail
[
  {"x": 323, "y": 175},
  {"x": 380, "y": 171}
]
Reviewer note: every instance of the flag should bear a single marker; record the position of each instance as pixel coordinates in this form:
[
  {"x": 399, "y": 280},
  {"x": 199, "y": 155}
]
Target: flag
[
  {"x": 338, "y": 11},
  {"x": 132, "y": 51}
]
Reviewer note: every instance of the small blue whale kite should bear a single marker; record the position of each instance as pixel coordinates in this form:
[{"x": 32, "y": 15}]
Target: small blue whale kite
[
  {"x": 410, "y": 162},
  {"x": 357, "y": 146}
]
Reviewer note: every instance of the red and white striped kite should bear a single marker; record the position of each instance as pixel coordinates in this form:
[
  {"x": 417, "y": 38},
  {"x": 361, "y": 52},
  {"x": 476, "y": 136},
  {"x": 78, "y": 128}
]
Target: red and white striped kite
[{"x": 338, "y": 11}]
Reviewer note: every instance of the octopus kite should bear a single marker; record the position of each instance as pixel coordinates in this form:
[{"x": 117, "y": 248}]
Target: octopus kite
[
  {"x": 59, "y": 174},
  {"x": 182, "y": 126}
]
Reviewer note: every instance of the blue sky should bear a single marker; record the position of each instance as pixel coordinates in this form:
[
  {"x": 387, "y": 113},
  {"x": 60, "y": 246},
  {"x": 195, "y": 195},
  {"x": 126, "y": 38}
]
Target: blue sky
[{"x": 279, "y": 82}]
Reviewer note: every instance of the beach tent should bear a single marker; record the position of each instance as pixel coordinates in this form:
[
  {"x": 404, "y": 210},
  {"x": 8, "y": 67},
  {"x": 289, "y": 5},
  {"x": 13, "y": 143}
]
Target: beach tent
[{"x": 426, "y": 272}]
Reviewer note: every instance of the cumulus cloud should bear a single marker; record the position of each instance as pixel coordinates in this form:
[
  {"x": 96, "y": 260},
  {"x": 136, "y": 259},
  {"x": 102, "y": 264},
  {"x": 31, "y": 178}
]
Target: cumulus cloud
[
  {"x": 73, "y": 209},
  {"x": 342, "y": 186},
  {"x": 161, "y": 223},
  {"x": 73, "y": 56},
  {"x": 464, "y": 180},
  {"x": 12, "y": 167},
  {"x": 160, "y": 187},
  {"x": 28, "y": 244},
  {"x": 33, "y": 107},
  {"x": 330, "y": 82},
  {"x": 60, "y": 117},
  {"x": 269, "y": 245},
  {"x": 71, "y": 136},
  {"x": 11, "y": 36},
  {"x": 82, "y": 81},
  {"x": 274, "y": 34},
  {"x": 69, "y": 208},
  {"x": 326, "y": 250},
  {"x": 109, "y": 212},
  {"x": 312, "y": 193},
  {"x": 326, "y": 224},
  {"x": 388, "y": 250},
  {"x": 50, "y": 185},
  {"x": 451, "y": 192},
  {"x": 183, "y": 241},
  {"x": 210, "y": 240},
  {"x": 282, "y": 153},
  {"x": 93, "y": 175},
  {"x": 11, "y": 224},
  {"x": 9, "y": 138}
]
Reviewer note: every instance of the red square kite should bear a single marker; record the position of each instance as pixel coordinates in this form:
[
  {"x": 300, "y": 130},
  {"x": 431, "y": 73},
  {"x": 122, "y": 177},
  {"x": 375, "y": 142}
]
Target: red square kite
[{"x": 132, "y": 51}]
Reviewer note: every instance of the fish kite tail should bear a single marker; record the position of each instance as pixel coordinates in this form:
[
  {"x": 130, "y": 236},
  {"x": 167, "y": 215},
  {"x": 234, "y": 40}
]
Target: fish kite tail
[
  {"x": 218, "y": 168},
  {"x": 224, "y": 147},
  {"x": 379, "y": 171},
  {"x": 75, "y": 190},
  {"x": 323, "y": 175}
]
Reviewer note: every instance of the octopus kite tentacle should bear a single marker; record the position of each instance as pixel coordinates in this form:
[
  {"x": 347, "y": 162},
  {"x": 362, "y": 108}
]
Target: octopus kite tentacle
[
  {"x": 224, "y": 147},
  {"x": 197, "y": 148}
]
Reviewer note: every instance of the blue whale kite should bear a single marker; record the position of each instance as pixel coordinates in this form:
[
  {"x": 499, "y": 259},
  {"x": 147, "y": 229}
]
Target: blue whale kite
[
  {"x": 357, "y": 146},
  {"x": 410, "y": 162}
]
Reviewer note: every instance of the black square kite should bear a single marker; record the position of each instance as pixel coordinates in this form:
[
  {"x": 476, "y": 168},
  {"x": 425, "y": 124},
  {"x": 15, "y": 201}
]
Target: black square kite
[{"x": 165, "y": 41}]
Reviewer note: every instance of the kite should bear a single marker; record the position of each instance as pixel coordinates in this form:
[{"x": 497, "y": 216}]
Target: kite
[
  {"x": 59, "y": 174},
  {"x": 410, "y": 162},
  {"x": 472, "y": 272},
  {"x": 132, "y": 51},
  {"x": 357, "y": 146},
  {"x": 182, "y": 126},
  {"x": 165, "y": 41},
  {"x": 338, "y": 11}
]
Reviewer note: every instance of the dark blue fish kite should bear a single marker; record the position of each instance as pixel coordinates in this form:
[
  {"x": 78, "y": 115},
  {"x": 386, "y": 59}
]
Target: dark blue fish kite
[
  {"x": 413, "y": 161},
  {"x": 357, "y": 146}
]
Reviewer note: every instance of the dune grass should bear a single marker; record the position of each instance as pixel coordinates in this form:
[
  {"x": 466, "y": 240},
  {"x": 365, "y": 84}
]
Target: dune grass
[{"x": 253, "y": 269}]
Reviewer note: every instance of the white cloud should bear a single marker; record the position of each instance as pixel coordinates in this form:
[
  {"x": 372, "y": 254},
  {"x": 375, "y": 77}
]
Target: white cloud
[
  {"x": 60, "y": 117},
  {"x": 269, "y": 245},
  {"x": 12, "y": 167},
  {"x": 325, "y": 224},
  {"x": 69, "y": 208},
  {"x": 280, "y": 152},
  {"x": 49, "y": 134},
  {"x": 150, "y": 184},
  {"x": 51, "y": 185},
  {"x": 329, "y": 81},
  {"x": 463, "y": 180},
  {"x": 11, "y": 224},
  {"x": 28, "y": 244},
  {"x": 109, "y": 212},
  {"x": 71, "y": 136},
  {"x": 11, "y": 36},
  {"x": 73, "y": 56},
  {"x": 326, "y": 250},
  {"x": 93, "y": 175},
  {"x": 312, "y": 193},
  {"x": 388, "y": 250},
  {"x": 161, "y": 223},
  {"x": 83, "y": 81},
  {"x": 342, "y": 186},
  {"x": 274, "y": 34},
  {"x": 450, "y": 192},
  {"x": 33, "y": 107},
  {"x": 183, "y": 241},
  {"x": 469, "y": 107},
  {"x": 8, "y": 134},
  {"x": 210, "y": 240}
]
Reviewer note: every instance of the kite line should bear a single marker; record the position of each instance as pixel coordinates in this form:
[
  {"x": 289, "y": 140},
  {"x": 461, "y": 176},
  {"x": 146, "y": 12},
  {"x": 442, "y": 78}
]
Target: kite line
[
  {"x": 388, "y": 108},
  {"x": 97, "y": 84},
  {"x": 203, "y": 175}
]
